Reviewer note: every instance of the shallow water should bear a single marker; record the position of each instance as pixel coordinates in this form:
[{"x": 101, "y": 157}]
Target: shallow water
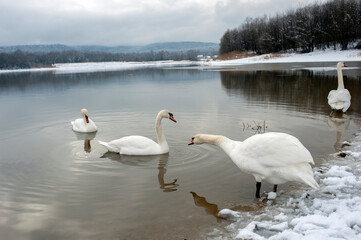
[{"x": 57, "y": 184}]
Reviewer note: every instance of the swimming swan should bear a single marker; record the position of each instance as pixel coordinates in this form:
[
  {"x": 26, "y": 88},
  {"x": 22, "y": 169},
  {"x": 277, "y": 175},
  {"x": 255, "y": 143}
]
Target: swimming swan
[
  {"x": 339, "y": 99},
  {"x": 274, "y": 157},
  {"x": 84, "y": 124},
  {"x": 139, "y": 145}
]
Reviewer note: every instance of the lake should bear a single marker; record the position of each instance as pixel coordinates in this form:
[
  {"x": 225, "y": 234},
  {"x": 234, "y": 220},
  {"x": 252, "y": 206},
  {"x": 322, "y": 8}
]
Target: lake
[{"x": 58, "y": 184}]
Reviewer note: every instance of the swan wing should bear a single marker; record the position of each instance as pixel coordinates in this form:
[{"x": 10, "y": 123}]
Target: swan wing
[
  {"x": 80, "y": 126},
  {"x": 339, "y": 99},
  {"x": 275, "y": 150},
  {"x": 134, "y": 145}
]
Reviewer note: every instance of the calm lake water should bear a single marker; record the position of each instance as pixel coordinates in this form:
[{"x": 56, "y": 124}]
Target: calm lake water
[{"x": 57, "y": 184}]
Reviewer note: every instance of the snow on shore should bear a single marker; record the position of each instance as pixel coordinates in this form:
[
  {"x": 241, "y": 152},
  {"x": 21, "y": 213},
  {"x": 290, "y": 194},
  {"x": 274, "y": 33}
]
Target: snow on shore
[
  {"x": 115, "y": 66},
  {"x": 316, "y": 56},
  {"x": 102, "y": 66},
  {"x": 332, "y": 212}
]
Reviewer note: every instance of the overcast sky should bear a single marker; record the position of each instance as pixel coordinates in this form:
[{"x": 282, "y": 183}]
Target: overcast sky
[{"x": 128, "y": 22}]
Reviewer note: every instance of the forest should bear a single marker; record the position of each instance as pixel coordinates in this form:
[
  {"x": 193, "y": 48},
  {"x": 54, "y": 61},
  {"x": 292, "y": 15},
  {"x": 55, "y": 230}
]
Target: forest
[
  {"x": 317, "y": 26},
  {"x": 20, "y": 59}
]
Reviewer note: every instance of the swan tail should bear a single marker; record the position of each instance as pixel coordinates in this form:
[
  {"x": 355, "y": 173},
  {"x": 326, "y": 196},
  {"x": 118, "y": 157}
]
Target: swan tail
[
  {"x": 72, "y": 123},
  {"x": 311, "y": 182},
  {"x": 107, "y": 146}
]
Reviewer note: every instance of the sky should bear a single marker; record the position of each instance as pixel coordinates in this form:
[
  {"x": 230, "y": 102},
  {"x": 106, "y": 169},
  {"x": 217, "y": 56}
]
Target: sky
[{"x": 128, "y": 22}]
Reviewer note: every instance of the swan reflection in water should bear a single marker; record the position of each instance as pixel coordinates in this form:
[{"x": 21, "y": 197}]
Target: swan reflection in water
[
  {"x": 162, "y": 161},
  {"x": 339, "y": 122},
  {"x": 87, "y": 137},
  {"x": 212, "y": 208},
  {"x": 167, "y": 187}
]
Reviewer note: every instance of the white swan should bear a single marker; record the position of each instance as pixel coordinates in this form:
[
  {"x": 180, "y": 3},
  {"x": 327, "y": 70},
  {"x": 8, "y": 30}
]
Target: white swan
[
  {"x": 139, "y": 145},
  {"x": 84, "y": 124},
  {"x": 339, "y": 99},
  {"x": 274, "y": 157}
]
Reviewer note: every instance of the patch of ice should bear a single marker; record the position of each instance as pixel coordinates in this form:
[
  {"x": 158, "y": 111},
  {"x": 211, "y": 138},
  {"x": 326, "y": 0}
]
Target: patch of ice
[
  {"x": 271, "y": 195},
  {"x": 281, "y": 217},
  {"x": 228, "y": 214}
]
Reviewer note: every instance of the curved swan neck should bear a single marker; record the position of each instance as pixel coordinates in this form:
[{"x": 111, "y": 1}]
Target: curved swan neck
[
  {"x": 223, "y": 142},
  {"x": 159, "y": 130},
  {"x": 340, "y": 78}
]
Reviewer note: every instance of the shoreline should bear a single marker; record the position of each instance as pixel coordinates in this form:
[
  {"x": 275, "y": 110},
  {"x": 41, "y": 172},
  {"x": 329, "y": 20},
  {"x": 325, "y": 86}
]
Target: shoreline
[{"x": 317, "y": 56}]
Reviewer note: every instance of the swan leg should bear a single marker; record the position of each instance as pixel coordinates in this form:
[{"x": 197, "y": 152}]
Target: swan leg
[
  {"x": 275, "y": 188},
  {"x": 258, "y": 189}
]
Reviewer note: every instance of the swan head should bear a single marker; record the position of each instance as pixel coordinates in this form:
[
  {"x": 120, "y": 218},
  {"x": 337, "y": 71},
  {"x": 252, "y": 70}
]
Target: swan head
[
  {"x": 341, "y": 64},
  {"x": 84, "y": 114},
  {"x": 199, "y": 139},
  {"x": 167, "y": 114}
]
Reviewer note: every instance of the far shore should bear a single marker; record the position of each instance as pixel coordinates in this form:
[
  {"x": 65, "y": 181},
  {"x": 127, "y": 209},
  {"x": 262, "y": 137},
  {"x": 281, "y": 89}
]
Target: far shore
[{"x": 312, "y": 57}]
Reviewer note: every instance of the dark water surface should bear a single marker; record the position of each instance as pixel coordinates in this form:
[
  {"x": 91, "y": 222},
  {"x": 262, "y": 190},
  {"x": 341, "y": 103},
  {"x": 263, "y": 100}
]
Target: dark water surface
[{"x": 57, "y": 184}]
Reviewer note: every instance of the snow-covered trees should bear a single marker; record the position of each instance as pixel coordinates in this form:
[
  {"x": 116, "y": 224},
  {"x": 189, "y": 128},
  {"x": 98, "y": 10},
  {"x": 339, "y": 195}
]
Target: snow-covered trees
[{"x": 314, "y": 26}]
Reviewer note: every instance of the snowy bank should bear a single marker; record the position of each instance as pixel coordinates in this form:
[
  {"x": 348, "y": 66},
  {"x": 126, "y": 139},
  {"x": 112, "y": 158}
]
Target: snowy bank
[
  {"x": 316, "y": 56},
  {"x": 116, "y": 66},
  {"x": 105, "y": 66},
  {"x": 332, "y": 212}
]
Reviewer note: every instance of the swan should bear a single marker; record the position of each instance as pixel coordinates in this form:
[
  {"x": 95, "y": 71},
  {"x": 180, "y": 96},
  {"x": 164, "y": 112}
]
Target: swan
[
  {"x": 274, "y": 157},
  {"x": 139, "y": 145},
  {"x": 339, "y": 99},
  {"x": 84, "y": 124}
]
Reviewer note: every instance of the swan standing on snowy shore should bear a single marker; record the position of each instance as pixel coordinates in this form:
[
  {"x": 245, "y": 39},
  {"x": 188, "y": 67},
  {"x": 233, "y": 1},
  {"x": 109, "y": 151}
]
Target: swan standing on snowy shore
[
  {"x": 274, "y": 157},
  {"x": 84, "y": 124},
  {"x": 139, "y": 145},
  {"x": 339, "y": 99}
]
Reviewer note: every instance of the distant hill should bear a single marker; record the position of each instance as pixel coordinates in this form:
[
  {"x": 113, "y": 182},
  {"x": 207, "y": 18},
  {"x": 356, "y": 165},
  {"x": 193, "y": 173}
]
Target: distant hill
[
  {"x": 37, "y": 48},
  {"x": 204, "y": 47}
]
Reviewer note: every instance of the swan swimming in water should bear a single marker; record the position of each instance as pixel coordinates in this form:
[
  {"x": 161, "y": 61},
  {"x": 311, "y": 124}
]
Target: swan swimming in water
[
  {"x": 274, "y": 157},
  {"x": 340, "y": 99},
  {"x": 139, "y": 145},
  {"x": 84, "y": 124}
]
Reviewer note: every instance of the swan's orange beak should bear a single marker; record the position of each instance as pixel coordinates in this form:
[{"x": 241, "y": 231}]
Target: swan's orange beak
[
  {"x": 191, "y": 143},
  {"x": 345, "y": 65},
  {"x": 172, "y": 118},
  {"x": 87, "y": 119}
]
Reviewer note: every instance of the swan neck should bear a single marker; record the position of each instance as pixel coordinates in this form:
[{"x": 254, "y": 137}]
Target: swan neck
[
  {"x": 159, "y": 130},
  {"x": 223, "y": 142},
  {"x": 340, "y": 78}
]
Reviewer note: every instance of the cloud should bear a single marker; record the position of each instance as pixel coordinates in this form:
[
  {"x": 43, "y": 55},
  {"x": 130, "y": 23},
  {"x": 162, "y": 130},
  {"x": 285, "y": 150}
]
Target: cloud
[{"x": 121, "y": 22}]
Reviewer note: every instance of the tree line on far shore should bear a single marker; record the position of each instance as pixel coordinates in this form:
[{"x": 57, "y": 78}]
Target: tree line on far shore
[
  {"x": 334, "y": 23},
  {"x": 20, "y": 59}
]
